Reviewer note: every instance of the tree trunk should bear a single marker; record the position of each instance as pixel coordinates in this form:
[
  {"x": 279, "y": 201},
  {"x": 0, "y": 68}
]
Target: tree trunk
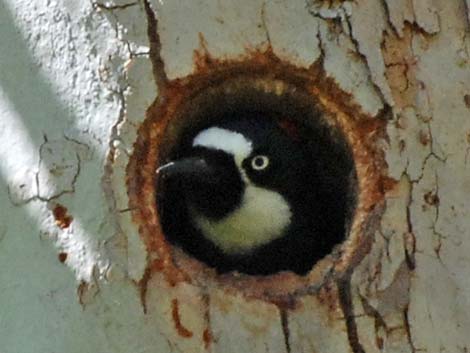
[{"x": 80, "y": 270}]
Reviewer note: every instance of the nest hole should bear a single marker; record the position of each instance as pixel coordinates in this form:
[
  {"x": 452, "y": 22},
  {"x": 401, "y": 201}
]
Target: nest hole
[{"x": 330, "y": 159}]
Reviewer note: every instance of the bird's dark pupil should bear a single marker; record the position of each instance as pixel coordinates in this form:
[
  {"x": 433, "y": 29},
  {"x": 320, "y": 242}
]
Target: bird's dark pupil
[{"x": 259, "y": 161}]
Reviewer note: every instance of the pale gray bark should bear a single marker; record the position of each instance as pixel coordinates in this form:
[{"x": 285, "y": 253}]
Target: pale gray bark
[{"x": 75, "y": 82}]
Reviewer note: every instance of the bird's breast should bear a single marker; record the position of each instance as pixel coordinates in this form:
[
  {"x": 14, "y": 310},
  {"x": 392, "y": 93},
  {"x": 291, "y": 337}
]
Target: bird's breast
[{"x": 263, "y": 216}]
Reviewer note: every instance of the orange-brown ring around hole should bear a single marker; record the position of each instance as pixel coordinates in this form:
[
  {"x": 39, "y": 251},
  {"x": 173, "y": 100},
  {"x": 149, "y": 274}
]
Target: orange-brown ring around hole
[{"x": 362, "y": 132}]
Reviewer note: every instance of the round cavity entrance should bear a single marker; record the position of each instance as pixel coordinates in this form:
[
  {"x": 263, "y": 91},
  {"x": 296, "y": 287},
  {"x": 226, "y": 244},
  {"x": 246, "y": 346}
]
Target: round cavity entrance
[{"x": 281, "y": 205}]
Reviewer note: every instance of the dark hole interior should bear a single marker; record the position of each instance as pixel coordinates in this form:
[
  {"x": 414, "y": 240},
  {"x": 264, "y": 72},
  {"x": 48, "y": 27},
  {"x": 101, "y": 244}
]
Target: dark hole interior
[{"x": 323, "y": 191}]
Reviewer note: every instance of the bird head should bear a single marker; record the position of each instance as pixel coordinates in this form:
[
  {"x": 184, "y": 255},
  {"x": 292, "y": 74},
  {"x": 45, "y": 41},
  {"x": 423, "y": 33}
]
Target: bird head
[
  {"x": 238, "y": 181},
  {"x": 253, "y": 195}
]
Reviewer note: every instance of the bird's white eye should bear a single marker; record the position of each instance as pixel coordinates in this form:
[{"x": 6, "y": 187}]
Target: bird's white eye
[{"x": 259, "y": 162}]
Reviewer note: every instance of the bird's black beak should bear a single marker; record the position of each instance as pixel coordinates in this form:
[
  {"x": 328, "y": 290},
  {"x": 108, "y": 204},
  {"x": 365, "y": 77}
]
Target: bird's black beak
[
  {"x": 191, "y": 168},
  {"x": 211, "y": 183}
]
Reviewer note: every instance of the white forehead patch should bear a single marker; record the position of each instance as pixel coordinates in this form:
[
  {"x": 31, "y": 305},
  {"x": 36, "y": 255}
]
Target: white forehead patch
[{"x": 225, "y": 140}]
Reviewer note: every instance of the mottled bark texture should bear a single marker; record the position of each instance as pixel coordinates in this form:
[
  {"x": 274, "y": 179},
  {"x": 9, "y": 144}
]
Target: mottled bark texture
[{"x": 79, "y": 273}]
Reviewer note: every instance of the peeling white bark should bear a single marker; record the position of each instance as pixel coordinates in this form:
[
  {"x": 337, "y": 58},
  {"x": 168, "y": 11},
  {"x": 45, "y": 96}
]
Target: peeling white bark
[{"x": 75, "y": 81}]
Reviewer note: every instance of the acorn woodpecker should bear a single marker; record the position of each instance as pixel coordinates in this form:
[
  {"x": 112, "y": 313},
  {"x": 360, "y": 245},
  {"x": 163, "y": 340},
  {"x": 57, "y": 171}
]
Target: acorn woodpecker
[{"x": 254, "y": 196}]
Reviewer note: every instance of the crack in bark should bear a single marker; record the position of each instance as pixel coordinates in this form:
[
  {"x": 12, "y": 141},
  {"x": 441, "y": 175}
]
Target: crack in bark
[
  {"x": 397, "y": 296},
  {"x": 466, "y": 6},
  {"x": 409, "y": 246},
  {"x": 173, "y": 347},
  {"x": 22, "y": 202},
  {"x": 117, "y": 29},
  {"x": 182, "y": 330},
  {"x": 284, "y": 316},
  {"x": 207, "y": 335},
  {"x": 108, "y": 170},
  {"x": 112, "y": 148},
  {"x": 159, "y": 73},
  {"x": 387, "y": 243},
  {"x": 114, "y": 135},
  {"x": 436, "y": 233},
  {"x": 442, "y": 159},
  {"x": 408, "y": 329},
  {"x": 263, "y": 22},
  {"x": 389, "y": 18},
  {"x": 344, "y": 293},
  {"x": 89, "y": 288},
  {"x": 37, "y": 196},
  {"x": 467, "y": 154},
  {"x": 424, "y": 164},
  {"x": 419, "y": 24},
  {"x": 355, "y": 42},
  {"x": 321, "y": 46},
  {"x": 125, "y": 210},
  {"x": 379, "y": 322},
  {"x": 410, "y": 239},
  {"x": 135, "y": 54},
  {"x": 41, "y": 198},
  {"x": 344, "y": 17}
]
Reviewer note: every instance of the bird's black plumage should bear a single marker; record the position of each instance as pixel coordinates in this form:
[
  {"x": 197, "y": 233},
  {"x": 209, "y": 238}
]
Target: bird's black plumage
[{"x": 307, "y": 170}]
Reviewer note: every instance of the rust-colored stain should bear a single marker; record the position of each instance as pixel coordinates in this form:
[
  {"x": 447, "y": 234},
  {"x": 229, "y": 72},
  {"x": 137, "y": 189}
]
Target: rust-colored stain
[
  {"x": 389, "y": 184},
  {"x": 143, "y": 286},
  {"x": 431, "y": 198},
  {"x": 400, "y": 67},
  {"x": 182, "y": 331},
  {"x": 424, "y": 138},
  {"x": 361, "y": 131},
  {"x": 62, "y": 219},
  {"x": 380, "y": 342},
  {"x": 285, "y": 303},
  {"x": 466, "y": 99},
  {"x": 328, "y": 296},
  {"x": 207, "y": 338},
  {"x": 156, "y": 265},
  {"x": 62, "y": 256}
]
